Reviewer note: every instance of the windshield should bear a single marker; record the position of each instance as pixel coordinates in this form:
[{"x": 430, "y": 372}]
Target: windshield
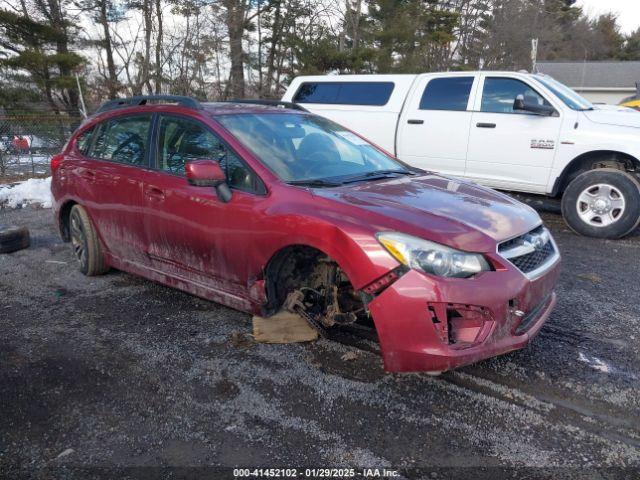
[
  {"x": 303, "y": 148},
  {"x": 572, "y": 99}
]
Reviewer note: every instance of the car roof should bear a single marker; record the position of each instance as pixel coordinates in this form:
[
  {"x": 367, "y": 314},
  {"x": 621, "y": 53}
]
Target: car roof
[
  {"x": 207, "y": 108},
  {"x": 139, "y": 103}
]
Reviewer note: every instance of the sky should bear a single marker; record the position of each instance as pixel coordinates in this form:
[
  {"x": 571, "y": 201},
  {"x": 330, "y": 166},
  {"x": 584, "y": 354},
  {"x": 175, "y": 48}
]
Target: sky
[{"x": 628, "y": 11}]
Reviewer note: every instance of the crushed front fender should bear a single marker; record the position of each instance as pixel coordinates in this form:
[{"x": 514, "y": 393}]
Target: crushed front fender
[{"x": 426, "y": 323}]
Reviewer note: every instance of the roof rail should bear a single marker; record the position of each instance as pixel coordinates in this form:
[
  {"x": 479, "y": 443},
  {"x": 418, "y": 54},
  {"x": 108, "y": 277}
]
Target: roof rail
[
  {"x": 144, "y": 99},
  {"x": 274, "y": 103}
]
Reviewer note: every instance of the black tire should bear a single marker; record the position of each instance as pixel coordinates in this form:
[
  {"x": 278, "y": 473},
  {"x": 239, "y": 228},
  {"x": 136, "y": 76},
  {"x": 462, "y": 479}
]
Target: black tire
[
  {"x": 13, "y": 239},
  {"x": 611, "y": 218},
  {"x": 85, "y": 243}
]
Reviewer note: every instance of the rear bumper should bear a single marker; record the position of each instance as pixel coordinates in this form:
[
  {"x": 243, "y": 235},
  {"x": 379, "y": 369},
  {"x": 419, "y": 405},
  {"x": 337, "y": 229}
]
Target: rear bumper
[{"x": 433, "y": 324}]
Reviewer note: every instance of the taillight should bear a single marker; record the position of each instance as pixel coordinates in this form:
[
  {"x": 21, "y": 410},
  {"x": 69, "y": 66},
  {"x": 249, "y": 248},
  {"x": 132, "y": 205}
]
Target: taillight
[{"x": 56, "y": 160}]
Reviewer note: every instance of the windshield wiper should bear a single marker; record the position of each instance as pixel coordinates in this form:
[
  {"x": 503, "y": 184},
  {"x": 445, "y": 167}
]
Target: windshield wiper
[
  {"x": 373, "y": 175},
  {"x": 377, "y": 175},
  {"x": 314, "y": 183}
]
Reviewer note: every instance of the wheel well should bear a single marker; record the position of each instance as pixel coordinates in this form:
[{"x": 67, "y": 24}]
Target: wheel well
[
  {"x": 296, "y": 266},
  {"x": 591, "y": 161},
  {"x": 65, "y": 211}
]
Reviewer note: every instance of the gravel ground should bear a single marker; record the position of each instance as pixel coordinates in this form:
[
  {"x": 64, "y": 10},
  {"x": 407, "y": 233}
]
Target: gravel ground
[{"x": 116, "y": 371}]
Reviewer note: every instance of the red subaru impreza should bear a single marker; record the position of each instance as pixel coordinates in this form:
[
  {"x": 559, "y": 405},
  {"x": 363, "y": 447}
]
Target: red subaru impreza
[{"x": 262, "y": 208}]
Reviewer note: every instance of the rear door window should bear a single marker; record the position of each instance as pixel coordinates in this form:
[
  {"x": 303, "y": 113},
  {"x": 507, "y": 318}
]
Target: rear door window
[
  {"x": 345, "y": 93},
  {"x": 123, "y": 140},
  {"x": 499, "y": 94},
  {"x": 447, "y": 94}
]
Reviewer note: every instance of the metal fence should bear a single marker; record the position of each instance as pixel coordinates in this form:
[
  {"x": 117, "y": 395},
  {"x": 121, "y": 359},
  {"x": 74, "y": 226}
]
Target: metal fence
[{"x": 29, "y": 140}]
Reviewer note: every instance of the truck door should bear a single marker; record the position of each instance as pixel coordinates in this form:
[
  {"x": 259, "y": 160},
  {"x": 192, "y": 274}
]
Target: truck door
[
  {"x": 434, "y": 129},
  {"x": 511, "y": 149}
]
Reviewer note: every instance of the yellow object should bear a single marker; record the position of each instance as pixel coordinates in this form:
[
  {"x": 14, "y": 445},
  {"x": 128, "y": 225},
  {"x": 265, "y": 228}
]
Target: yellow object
[
  {"x": 283, "y": 327},
  {"x": 633, "y": 103},
  {"x": 394, "y": 250}
]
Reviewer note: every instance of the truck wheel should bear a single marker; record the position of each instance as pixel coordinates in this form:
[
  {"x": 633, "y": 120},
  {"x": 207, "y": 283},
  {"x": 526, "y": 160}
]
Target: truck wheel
[
  {"x": 603, "y": 203},
  {"x": 13, "y": 239},
  {"x": 85, "y": 243}
]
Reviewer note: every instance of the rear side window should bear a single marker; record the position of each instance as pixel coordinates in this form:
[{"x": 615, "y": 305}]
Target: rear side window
[
  {"x": 345, "y": 93},
  {"x": 447, "y": 94},
  {"x": 122, "y": 139},
  {"x": 83, "y": 142},
  {"x": 499, "y": 95}
]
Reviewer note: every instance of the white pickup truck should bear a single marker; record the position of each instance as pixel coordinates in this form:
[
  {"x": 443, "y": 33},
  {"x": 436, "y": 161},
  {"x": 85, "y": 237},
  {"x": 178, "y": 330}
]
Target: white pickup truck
[{"x": 511, "y": 131}]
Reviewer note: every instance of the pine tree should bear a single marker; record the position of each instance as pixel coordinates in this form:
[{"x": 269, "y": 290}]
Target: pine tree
[
  {"x": 410, "y": 34},
  {"x": 41, "y": 48}
]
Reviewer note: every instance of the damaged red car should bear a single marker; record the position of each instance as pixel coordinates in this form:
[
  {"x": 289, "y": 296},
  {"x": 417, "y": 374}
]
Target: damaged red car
[{"x": 261, "y": 208}]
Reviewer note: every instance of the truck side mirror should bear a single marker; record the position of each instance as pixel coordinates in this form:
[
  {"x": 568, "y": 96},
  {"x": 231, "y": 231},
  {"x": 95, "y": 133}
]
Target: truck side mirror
[{"x": 520, "y": 105}]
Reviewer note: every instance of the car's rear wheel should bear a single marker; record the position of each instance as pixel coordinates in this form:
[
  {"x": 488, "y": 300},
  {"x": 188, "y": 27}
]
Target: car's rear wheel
[
  {"x": 602, "y": 203},
  {"x": 85, "y": 243}
]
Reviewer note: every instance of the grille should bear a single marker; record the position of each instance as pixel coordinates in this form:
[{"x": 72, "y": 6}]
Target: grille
[
  {"x": 530, "y": 251},
  {"x": 529, "y": 262}
]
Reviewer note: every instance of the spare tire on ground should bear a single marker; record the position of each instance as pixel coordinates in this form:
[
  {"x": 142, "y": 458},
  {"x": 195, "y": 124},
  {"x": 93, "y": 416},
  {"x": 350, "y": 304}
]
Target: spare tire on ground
[{"x": 13, "y": 238}]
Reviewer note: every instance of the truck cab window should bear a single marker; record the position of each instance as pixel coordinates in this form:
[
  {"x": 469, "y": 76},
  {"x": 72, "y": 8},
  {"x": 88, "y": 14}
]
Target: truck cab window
[
  {"x": 500, "y": 93},
  {"x": 447, "y": 94}
]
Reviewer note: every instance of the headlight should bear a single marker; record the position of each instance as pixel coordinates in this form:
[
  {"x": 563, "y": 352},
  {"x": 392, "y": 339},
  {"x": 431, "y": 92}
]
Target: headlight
[{"x": 431, "y": 257}]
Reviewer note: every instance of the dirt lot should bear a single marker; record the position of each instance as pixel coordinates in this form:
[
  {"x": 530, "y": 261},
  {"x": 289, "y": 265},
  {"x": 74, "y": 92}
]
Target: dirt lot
[{"x": 118, "y": 371}]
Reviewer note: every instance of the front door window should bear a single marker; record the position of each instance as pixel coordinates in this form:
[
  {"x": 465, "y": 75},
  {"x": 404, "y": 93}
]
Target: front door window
[
  {"x": 181, "y": 140},
  {"x": 499, "y": 95}
]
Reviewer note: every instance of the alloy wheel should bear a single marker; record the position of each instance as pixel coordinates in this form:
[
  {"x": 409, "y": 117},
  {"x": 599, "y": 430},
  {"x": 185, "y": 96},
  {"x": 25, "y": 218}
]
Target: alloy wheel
[{"x": 78, "y": 239}]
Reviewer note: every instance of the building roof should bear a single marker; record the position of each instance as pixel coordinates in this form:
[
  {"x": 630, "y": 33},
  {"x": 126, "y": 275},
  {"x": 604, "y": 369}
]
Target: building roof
[{"x": 606, "y": 74}]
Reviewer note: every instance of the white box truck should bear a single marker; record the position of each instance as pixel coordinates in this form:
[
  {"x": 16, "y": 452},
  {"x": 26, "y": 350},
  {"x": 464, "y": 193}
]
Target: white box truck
[{"x": 511, "y": 131}]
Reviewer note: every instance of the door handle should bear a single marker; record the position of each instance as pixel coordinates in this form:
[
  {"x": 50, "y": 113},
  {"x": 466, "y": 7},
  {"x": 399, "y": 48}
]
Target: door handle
[
  {"x": 414, "y": 121},
  {"x": 155, "y": 194},
  {"x": 486, "y": 125}
]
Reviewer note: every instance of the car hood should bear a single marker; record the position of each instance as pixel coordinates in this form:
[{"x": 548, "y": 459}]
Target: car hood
[
  {"x": 612, "y": 115},
  {"x": 452, "y": 212}
]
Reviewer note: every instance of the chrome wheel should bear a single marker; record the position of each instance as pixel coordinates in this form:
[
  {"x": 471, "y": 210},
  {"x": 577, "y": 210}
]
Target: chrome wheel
[
  {"x": 600, "y": 205},
  {"x": 78, "y": 239}
]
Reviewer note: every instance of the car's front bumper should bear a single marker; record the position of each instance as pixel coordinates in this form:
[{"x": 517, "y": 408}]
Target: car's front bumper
[{"x": 434, "y": 324}]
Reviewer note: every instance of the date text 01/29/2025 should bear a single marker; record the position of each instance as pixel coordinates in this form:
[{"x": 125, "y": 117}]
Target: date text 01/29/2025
[{"x": 314, "y": 473}]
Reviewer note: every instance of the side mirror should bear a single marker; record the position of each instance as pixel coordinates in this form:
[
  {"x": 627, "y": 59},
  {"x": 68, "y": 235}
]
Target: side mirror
[
  {"x": 520, "y": 105},
  {"x": 208, "y": 173}
]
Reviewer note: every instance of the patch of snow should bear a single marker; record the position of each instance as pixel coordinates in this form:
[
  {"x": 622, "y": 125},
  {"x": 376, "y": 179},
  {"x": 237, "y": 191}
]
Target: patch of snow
[
  {"x": 594, "y": 363},
  {"x": 34, "y": 190}
]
